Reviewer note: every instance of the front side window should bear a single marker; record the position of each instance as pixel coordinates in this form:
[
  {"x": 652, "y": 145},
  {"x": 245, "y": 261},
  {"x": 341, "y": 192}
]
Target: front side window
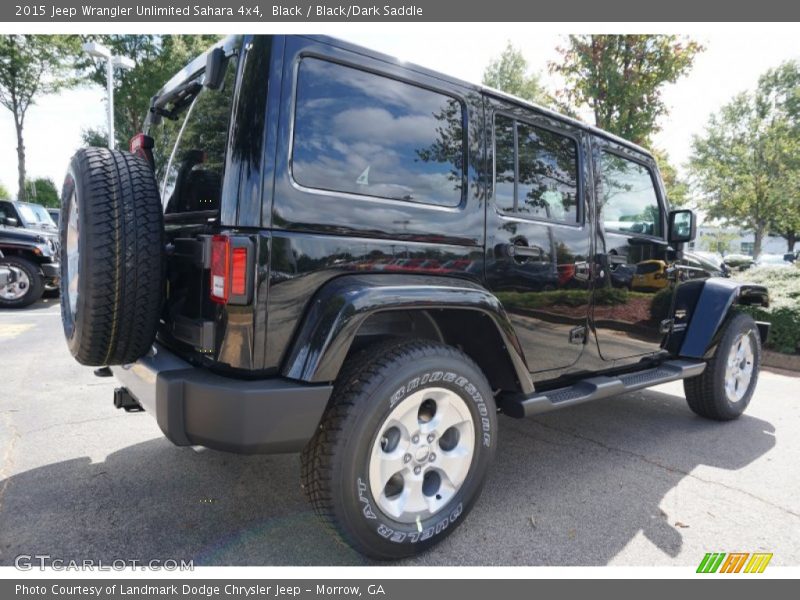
[
  {"x": 628, "y": 199},
  {"x": 536, "y": 171},
  {"x": 360, "y": 133},
  {"x": 191, "y": 177}
]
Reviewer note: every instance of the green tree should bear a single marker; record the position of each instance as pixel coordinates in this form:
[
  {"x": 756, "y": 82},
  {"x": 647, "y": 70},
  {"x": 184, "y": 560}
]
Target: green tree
[
  {"x": 94, "y": 137},
  {"x": 620, "y": 78},
  {"x": 779, "y": 93},
  {"x": 157, "y": 59},
  {"x": 785, "y": 221},
  {"x": 32, "y": 66},
  {"x": 4, "y": 195},
  {"x": 677, "y": 187},
  {"x": 509, "y": 73},
  {"x": 43, "y": 191},
  {"x": 719, "y": 241},
  {"x": 744, "y": 163}
]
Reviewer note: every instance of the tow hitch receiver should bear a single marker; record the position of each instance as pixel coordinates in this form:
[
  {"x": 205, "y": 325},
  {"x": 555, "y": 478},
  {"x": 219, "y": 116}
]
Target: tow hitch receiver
[{"x": 123, "y": 399}]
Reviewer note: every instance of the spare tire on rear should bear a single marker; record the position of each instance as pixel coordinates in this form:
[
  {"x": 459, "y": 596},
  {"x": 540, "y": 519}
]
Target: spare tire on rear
[{"x": 112, "y": 240}]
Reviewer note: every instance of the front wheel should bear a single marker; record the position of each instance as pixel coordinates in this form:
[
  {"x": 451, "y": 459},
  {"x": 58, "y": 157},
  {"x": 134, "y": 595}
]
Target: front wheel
[
  {"x": 723, "y": 391},
  {"x": 26, "y": 285},
  {"x": 403, "y": 450}
]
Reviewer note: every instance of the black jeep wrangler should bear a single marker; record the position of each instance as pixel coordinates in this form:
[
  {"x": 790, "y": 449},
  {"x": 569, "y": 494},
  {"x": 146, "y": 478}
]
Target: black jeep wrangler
[
  {"x": 28, "y": 264},
  {"x": 313, "y": 247}
]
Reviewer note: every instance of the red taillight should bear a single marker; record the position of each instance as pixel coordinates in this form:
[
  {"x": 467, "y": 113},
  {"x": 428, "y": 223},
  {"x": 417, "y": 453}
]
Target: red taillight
[
  {"x": 239, "y": 274},
  {"x": 220, "y": 268},
  {"x": 142, "y": 145},
  {"x": 137, "y": 143}
]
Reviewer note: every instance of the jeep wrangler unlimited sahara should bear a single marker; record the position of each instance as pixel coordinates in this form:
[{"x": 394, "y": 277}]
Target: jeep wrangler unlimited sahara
[{"x": 314, "y": 247}]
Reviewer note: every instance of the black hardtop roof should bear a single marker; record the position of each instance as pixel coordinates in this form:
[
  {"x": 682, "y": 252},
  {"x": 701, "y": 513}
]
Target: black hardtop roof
[{"x": 232, "y": 41}]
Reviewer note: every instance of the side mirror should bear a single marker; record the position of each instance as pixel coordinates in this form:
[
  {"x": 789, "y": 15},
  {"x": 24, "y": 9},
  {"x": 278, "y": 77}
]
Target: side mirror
[
  {"x": 215, "y": 69},
  {"x": 11, "y": 222},
  {"x": 682, "y": 226}
]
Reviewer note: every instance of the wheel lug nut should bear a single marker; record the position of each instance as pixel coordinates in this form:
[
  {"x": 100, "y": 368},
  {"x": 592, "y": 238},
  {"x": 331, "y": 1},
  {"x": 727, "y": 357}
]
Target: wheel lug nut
[
  {"x": 417, "y": 470},
  {"x": 431, "y": 437},
  {"x": 407, "y": 458},
  {"x": 432, "y": 457},
  {"x": 415, "y": 439}
]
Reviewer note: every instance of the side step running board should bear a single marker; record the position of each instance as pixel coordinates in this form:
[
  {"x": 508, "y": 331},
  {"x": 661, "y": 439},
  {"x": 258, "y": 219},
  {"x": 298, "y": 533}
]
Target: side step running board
[{"x": 599, "y": 387}]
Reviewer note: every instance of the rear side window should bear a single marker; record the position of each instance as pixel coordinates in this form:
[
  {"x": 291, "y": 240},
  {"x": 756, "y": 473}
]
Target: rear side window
[
  {"x": 360, "y": 133},
  {"x": 191, "y": 177},
  {"x": 536, "y": 171},
  {"x": 628, "y": 196}
]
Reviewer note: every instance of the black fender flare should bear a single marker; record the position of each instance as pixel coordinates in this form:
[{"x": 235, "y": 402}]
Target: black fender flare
[
  {"x": 338, "y": 309},
  {"x": 705, "y": 305}
]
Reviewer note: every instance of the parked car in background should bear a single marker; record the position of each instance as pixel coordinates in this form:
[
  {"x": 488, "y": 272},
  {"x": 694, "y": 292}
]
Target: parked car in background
[
  {"x": 701, "y": 265},
  {"x": 739, "y": 262},
  {"x": 27, "y": 215},
  {"x": 773, "y": 261},
  {"x": 55, "y": 214},
  {"x": 31, "y": 259},
  {"x": 650, "y": 275}
]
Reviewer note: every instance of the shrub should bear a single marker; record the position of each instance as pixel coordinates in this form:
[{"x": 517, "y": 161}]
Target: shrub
[{"x": 784, "y": 305}]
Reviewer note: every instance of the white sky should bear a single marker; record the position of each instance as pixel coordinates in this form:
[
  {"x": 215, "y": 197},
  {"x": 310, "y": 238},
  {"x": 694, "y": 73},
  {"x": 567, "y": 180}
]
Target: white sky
[{"x": 732, "y": 62}]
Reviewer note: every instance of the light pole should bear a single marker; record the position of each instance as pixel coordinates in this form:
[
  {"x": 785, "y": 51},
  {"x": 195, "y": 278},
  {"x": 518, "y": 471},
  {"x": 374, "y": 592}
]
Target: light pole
[{"x": 123, "y": 62}]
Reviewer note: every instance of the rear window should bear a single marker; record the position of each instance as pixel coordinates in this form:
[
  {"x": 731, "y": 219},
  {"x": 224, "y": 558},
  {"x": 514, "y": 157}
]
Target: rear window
[
  {"x": 360, "y": 133},
  {"x": 189, "y": 152}
]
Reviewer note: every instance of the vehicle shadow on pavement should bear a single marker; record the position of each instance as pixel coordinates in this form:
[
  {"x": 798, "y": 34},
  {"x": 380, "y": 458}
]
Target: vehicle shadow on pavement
[{"x": 568, "y": 488}]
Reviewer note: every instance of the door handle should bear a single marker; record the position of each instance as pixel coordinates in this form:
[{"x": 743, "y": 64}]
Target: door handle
[{"x": 524, "y": 251}]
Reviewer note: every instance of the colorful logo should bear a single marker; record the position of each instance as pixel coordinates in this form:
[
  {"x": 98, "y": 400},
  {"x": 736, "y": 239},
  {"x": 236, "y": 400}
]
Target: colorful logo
[{"x": 734, "y": 562}]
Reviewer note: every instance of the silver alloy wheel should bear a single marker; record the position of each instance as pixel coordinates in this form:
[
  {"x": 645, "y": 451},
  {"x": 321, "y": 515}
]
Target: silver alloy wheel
[
  {"x": 17, "y": 288},
  {"x": 739, "y": 368},
  {"x": 422, "y": 454},
  {"x": 73, "y": 256}
]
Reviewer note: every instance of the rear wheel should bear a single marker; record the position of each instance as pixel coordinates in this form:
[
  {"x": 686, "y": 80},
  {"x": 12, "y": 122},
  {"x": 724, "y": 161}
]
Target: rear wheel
[
  {"x": 403, "y": 450},
  {"x": 26, "y": 285},
  {"x": 723, "y": 391},
  {"x": 111, "y": 257}
]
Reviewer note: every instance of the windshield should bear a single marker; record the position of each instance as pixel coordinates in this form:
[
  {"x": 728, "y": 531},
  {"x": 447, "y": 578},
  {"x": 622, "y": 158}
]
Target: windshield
[{"x": 35, "y": 215}]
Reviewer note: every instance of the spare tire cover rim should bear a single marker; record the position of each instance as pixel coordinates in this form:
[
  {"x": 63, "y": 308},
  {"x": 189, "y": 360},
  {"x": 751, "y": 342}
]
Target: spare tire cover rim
[{"x": 73, "y": 256}]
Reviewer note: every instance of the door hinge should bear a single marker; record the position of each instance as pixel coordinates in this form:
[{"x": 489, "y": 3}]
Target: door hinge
[{"x": 577, "y": 335}]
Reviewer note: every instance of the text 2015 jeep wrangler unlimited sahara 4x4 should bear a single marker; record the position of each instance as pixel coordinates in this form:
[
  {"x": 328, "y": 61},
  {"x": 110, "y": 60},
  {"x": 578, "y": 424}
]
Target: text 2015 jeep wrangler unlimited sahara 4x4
[{"x": 313, "y": 247}]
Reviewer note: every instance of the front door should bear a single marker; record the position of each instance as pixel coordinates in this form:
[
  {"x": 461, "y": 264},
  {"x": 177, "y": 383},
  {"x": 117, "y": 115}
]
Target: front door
[
  {"x": 538, "y": 235},
  {"x": 633, "y": 293}
]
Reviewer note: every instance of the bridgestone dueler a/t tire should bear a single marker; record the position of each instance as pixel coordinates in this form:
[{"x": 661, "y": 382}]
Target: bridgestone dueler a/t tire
[
  {"x": 120, "y": 257},
  {"x": 335, "y": 470},
  {"x": 705, "y": 393}
]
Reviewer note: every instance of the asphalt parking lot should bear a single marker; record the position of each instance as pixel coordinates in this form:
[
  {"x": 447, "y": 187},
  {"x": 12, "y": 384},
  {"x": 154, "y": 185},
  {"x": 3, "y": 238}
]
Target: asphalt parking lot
[{"x": 634, "y": 480}]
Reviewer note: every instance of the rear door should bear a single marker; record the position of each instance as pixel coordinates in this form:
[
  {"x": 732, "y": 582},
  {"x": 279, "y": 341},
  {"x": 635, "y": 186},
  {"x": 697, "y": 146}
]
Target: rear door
[
  {"x": 538, "y": 236},
  {"x": 633, "y": 294}
]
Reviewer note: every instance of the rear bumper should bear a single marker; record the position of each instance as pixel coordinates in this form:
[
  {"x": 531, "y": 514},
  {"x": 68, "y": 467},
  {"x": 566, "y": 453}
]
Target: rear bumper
[{"x": 194, "y": 406}]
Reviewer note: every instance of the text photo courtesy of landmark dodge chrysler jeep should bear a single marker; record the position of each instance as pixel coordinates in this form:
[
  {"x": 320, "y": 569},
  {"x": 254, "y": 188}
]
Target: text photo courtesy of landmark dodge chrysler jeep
[{"x": 316, "y": 248}]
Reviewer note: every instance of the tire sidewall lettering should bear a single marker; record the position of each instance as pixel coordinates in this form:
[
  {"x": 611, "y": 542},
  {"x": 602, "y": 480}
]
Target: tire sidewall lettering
[{"x": 439, "y": 523}]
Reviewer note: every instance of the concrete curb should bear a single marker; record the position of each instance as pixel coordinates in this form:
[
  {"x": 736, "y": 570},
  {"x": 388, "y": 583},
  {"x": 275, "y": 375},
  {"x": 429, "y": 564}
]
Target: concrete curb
[{"x": 778, "y": 360}]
